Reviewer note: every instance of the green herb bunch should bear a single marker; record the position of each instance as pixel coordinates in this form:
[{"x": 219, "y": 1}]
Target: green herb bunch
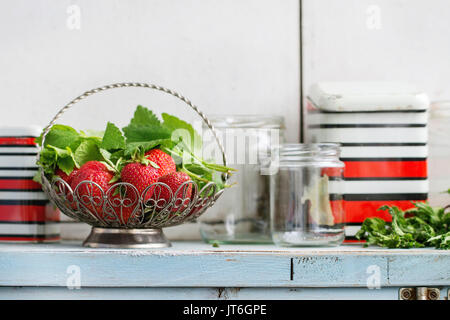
[{"x": 421, "y": 226}]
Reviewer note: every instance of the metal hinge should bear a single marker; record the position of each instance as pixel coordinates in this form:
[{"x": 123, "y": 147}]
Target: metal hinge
[{"x": 419, "y": 293}]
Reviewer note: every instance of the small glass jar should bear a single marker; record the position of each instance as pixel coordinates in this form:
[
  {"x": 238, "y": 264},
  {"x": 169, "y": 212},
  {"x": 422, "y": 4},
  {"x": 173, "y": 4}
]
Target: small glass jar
[
  {"x": 307, "y": 207},
  {"x": 242, "y": 213}
]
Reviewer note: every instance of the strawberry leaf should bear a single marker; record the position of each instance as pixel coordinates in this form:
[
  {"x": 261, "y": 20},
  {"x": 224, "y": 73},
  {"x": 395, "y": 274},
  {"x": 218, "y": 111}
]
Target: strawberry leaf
[
  {"x": 61, "y": 136},
  {"x": 88, "y": 150},
  {"x": 113, "y": 138},
  {"x": 136, "y": 133},
  {"x": 145, "y": 117},
  {"x": 181, "y": 129}
]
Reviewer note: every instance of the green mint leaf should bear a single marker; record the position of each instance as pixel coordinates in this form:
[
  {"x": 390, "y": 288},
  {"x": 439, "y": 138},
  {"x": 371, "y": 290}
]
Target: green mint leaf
[
  {"x": 65, "y": 159},
  {"x": 37, "y": 177},
  {"x": 106, "y": 154},
  {"x": 66, "y": 164},
  {"x": 88, "y": 150},
  {"x": 185, "y": 131},
  {"x": 144, "y": 146},
  {"x": 137, "y": 133},
  {"x": 113, "y": 138},
  {"x": 144, "y": 117},
  {"x": 61, "y": 136}
]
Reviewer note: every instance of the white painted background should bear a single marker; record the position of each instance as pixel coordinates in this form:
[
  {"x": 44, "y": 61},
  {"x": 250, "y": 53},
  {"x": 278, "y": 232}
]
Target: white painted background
[
  {"x": 227, "y": 56},
  {"x": 385, "y": 40}
]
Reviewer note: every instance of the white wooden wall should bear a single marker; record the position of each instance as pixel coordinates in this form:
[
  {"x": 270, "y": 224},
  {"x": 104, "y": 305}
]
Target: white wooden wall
[
  {"x": 227, "y": 56},
  {"x": 384, "y": 40}
]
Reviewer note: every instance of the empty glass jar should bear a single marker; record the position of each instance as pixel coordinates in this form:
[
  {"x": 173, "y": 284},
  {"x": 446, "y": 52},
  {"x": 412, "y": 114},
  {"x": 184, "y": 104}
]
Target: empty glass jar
[
  {"x": 307, "y": 197},
  {"x": 242, "y": 213}
]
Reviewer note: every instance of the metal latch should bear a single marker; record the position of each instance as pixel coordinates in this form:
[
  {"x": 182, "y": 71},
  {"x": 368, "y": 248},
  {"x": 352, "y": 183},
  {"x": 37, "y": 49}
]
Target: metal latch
[{"x": 419, "y": 293}]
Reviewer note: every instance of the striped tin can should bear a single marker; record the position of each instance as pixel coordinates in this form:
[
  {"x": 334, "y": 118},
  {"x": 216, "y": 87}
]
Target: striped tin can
[
  {"x": 382, "y": 128},
  {"x": 26, "y": 214}
]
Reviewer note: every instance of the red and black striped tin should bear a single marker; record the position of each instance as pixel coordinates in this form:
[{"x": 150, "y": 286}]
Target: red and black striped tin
[
  {"x": 26, "y": 214},
  {"x": 382, "y": 129}
]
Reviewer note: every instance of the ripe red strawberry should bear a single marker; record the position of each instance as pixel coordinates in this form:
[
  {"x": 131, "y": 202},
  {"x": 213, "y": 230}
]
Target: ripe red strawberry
[
  {"x": 95, "y": 165},
  {"x": 65, "y": 177},
  {"x": 124, "y": 210},
  {"x": 164, "y": 161},
  {"x": 174, "y": 180},
  {"x": 140, "y": 176},
  {"x": 100, "y": 177}
]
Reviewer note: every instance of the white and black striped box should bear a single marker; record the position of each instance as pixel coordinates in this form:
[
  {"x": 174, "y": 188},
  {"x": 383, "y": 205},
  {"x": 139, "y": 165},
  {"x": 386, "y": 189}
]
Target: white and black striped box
[
  {"x": 26, "y": 215},
  {"x": 382, "y": 129}
]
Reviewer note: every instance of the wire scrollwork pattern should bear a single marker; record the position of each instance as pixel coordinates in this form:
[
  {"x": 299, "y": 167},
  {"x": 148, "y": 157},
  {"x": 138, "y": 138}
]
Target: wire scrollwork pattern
[{"x": 121, "y": 206}]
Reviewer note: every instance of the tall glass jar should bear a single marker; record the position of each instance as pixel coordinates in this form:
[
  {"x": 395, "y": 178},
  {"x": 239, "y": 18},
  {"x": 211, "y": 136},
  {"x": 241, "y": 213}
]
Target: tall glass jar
[
  {"x": 307, "y": 206},
  {"x": 242, "y": 213}
]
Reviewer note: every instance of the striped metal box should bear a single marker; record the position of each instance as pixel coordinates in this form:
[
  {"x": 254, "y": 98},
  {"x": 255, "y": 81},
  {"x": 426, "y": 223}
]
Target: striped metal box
[
  {"x": 382, "y": 128},
  {"x": 25, "y": 212}
]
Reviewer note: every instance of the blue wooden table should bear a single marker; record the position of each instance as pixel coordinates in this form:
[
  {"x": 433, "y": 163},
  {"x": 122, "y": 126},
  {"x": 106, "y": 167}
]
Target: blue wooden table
[{"x": 195, "y": 270}]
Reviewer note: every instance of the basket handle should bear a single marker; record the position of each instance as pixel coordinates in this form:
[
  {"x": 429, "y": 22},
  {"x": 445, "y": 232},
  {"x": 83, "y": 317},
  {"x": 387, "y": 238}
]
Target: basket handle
[{"x": 138, "y": 85}]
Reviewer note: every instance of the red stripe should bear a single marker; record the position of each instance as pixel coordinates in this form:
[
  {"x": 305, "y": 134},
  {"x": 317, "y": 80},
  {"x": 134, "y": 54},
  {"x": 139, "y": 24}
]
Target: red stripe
[
  {"x": 18, "y": 141},
  {"x": 332, "y": 172},
  {"x": 31, "y": 239},
  {"x": 358, "y": 211},
  {"x": 337, "y": 208},
  {"x": 19, "y": 184},
  {"x": 354, "y": 241},
  {"x": 29, "y": 213},
  {"x": 379, "y": 169}
]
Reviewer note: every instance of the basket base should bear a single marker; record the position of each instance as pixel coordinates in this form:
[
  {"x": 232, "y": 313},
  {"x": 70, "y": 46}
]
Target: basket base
[{"x": 126, "y": 238}]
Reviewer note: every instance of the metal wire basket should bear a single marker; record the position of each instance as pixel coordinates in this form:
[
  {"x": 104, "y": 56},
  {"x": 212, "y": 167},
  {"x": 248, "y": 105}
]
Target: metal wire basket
[{"x": 121, "y": 217}]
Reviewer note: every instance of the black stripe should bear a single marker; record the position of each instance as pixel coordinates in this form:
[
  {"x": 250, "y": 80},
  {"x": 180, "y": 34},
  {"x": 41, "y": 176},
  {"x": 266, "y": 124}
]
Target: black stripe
[
  {"x": 368, "y": 125},
  {"x": 335, "y": 196},
  {"x": 358, "y": 224},
  {"x": 39, "y": 236},
  {"x": 368, "y": 111},
  {"x": 17, "y": 178},
  {"x": 385, "y": 196},
  {"x": 20, "y": 168},
  {"x": 18, "y": 154},
  {"x": 29, "y": 222},
  {"x": 18, "y": 146},
  {"x": 383, "y": 178},
  {"x": 334, "y": 226},
  {"x": 383, "y": 144},
  {"x": 383, "y": 159},
  {"x": 24, "y": 202},
  {"x": 352, "y": 238},
  {"x": 21, "y": 190}
]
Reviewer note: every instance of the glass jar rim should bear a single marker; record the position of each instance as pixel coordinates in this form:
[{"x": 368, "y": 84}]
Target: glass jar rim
[
  {"x": 247, "y": 121},
  {"x": 291, "y": 153}
]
